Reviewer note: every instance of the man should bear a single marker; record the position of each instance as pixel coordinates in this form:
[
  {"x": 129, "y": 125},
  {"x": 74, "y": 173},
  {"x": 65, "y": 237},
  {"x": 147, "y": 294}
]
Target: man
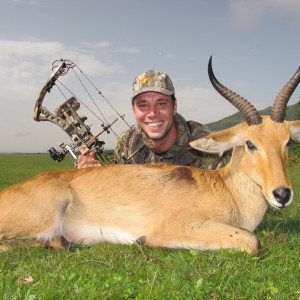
[{"x": 161, "y": 134}]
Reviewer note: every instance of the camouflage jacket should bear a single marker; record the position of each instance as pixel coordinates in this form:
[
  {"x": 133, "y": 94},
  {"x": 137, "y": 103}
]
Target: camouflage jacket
[{"x": 135, "y": 147}]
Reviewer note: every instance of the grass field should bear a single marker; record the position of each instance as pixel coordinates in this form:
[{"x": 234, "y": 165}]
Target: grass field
[{"x": 109, "y": 271}]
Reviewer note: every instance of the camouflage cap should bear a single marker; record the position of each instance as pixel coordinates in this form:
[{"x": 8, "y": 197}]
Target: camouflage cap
[{"x": 153, "y": 81}]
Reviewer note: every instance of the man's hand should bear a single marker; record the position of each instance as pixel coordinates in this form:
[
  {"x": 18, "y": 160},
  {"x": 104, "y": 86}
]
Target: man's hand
[{"x": 87, "y": 161}]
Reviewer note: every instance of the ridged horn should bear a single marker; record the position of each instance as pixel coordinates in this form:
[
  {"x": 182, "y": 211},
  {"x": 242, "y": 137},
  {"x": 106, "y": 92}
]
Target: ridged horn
[
  {"x": 280, "y": 103},
  {"x": 249, "y": 112}
]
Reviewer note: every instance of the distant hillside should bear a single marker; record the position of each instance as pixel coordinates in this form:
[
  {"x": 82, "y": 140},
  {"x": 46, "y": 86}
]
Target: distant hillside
[{"x": 291, "y": 114}]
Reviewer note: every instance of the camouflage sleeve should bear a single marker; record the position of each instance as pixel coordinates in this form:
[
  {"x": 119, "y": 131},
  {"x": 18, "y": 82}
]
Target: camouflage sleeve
[
  {"x": 120, "y": 148},
  {"x": 198, "y": 130}
]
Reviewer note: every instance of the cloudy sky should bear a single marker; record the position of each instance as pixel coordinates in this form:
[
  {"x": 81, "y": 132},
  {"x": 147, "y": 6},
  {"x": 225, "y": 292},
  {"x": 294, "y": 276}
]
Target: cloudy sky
[{"x": 254, "y": 43}]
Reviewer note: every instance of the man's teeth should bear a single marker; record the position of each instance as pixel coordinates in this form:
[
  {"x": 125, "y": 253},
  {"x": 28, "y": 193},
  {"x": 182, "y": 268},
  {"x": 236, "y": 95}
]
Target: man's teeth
[{"x": 155, "y": 124}]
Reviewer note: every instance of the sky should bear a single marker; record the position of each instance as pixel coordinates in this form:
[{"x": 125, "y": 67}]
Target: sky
[{"x": 255, "y": 47}]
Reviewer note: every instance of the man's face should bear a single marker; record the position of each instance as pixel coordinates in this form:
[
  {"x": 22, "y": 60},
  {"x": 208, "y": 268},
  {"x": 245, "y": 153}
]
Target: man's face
[{"x": 154, "y": 113}]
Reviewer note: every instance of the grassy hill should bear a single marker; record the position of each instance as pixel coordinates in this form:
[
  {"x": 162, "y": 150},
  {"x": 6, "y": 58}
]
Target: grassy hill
[{"x": 292, "y": 112}]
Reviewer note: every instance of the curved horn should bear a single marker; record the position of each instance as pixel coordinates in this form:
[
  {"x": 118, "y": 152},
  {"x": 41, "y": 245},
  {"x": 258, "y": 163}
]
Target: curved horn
[
  {"x": 280, "y": 103},
  {"x": 249, "y": 112}
]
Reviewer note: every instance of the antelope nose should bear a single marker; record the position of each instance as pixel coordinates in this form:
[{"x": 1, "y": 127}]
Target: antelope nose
[{"x": 282, "y": 195}]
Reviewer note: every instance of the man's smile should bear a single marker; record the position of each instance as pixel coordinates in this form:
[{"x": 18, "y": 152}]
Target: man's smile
[{"x": 154, "y": 125}]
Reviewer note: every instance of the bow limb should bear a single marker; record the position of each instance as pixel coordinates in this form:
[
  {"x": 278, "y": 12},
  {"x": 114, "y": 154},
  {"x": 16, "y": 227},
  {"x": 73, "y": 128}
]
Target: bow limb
[{"x": 46, "y": 89}]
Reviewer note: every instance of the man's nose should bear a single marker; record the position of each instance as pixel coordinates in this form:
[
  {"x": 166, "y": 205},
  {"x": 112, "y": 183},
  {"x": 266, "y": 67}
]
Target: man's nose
[{"x": 153, "y": 110}]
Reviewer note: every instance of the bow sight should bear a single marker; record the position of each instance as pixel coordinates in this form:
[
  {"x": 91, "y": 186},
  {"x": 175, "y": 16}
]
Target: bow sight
[
  {"x": 80, "y": 133},
  {"x": 67, "y": 118}
]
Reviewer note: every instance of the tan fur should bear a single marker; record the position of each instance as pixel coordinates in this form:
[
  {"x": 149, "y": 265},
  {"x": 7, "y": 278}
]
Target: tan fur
[{"x": 158, "y": 205}]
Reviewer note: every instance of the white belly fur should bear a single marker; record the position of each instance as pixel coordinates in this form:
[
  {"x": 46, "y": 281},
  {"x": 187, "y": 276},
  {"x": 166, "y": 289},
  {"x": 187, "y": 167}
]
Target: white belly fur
[{"x": 89, "y": 234}]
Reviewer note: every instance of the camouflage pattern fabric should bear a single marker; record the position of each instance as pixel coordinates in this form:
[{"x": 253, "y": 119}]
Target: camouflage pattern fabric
[
  {"x": 153, "y": 81},
  {"x": 135, "y": 147}
]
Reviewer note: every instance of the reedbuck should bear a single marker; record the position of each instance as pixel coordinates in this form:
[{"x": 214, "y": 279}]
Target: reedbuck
[{"x": 161, "y": 205}]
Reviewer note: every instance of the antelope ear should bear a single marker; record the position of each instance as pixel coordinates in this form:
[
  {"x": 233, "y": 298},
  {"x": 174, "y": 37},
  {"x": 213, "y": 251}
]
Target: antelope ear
[
  {"x": 219, "y": 142},
  {"x": 295, "y": 129}
]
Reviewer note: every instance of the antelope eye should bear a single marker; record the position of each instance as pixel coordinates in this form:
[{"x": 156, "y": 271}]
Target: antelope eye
[{"x": 250, "y": 145}]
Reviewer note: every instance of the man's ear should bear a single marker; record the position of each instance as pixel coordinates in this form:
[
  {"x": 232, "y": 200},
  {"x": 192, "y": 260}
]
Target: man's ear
[
  {"x": 175, "y": 107},
  {"x": 132, "y": 105}
]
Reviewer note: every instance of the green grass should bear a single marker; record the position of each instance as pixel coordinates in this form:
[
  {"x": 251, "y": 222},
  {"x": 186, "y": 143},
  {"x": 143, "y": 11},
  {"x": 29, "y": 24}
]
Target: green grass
[
  {"x": 18, "y": 167},
  {"x": 107, "y": 271}
]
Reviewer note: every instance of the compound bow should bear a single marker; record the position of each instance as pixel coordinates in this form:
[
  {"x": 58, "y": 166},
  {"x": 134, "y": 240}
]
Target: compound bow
[{"x": 67, "y": 118}]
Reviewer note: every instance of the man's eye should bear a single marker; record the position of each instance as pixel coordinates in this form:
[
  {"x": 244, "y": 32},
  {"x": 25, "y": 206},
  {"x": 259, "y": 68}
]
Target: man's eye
[
  {"x": 162, "y": 103},
  {"x": 143, "y": 105}
]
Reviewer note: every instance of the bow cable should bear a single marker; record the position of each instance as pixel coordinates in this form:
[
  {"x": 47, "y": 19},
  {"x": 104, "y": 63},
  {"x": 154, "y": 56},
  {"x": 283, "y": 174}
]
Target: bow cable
[{"x": 100, "y": 93}]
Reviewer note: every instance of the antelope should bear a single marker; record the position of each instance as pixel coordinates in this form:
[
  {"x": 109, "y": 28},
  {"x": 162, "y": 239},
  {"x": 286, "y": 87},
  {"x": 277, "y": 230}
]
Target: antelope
[{"x": 159, "y": 205}]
